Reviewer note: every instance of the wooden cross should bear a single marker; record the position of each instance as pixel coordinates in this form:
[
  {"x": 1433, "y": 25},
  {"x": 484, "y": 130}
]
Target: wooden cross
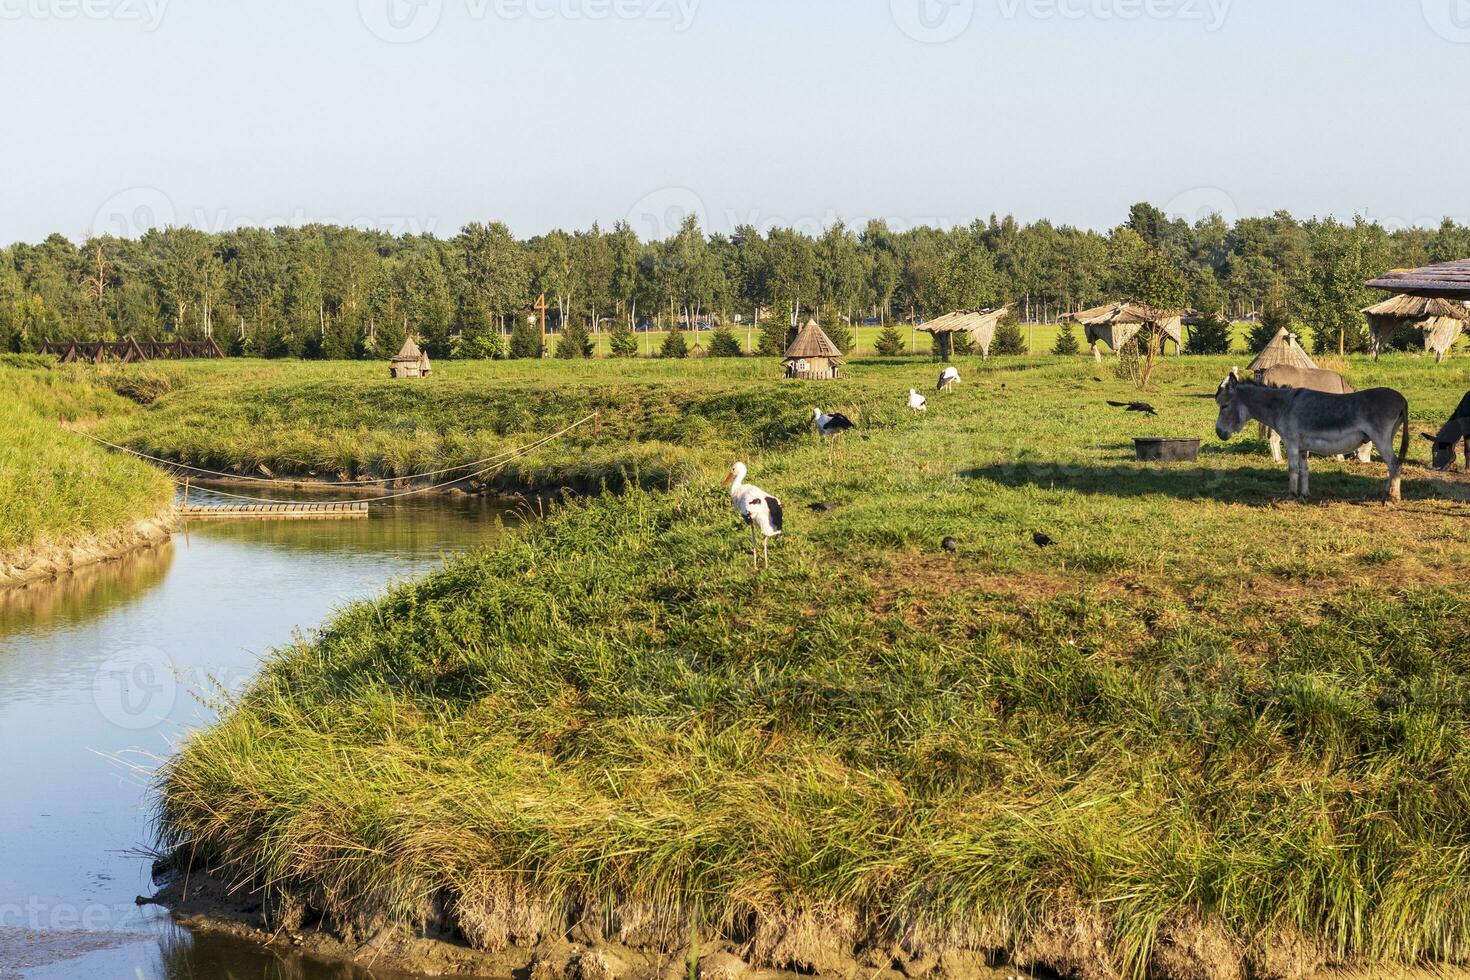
[{"x": 540, "y": 307}]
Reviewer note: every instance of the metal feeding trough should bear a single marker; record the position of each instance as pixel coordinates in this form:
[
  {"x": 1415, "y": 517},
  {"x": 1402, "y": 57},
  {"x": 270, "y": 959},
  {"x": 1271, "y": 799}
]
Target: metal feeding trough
[{"x": 1166, "y": 450}]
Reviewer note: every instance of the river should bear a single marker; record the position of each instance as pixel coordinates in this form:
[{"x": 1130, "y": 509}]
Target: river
[{"x": 101, "y": 672}]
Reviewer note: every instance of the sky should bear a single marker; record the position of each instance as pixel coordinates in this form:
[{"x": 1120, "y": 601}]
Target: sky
[{"x": 422, "y": 115}]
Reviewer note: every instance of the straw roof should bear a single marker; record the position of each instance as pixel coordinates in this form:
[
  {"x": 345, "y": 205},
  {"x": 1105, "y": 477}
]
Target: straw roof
[
  {"x": 409, "y": 351},
  {"x": 1121, "y": 313},
  {"x": 1282, "y": 350},
  {"x": 813, "y": 342},
  {"x": 1406, "y": 307},
  {"x": 1448, "y": 280},
  {"x": 964, "y": 321}
]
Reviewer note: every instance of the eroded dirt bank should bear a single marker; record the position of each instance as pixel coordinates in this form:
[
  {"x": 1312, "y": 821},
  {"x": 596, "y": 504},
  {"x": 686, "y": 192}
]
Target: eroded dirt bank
[{"x": 33, "y": 564}]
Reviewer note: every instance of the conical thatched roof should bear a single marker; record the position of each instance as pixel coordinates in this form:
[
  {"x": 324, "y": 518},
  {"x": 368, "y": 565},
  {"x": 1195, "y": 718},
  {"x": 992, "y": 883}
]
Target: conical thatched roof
[
  {"x": 979, "y": 324},
  {"x": 1449, "y": 280},
  {"x": 1406, "y": 307},
  {"x": 409, "y": 351},
  {"x": 1283, "y": 350},
  {"x": 812, "y": 342}
]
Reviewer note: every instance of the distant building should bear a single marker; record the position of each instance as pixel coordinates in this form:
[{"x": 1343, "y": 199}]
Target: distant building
[
  {"x": 410, "y": 362},
  {"x": 812, "y": 355}
]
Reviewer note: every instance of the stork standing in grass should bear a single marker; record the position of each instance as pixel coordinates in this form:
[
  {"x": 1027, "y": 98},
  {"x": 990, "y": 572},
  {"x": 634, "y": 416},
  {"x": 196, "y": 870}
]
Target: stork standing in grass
[
  {"x": 917, "y": 402},
  {"x": 761, "y": 510},
  {"x": 948, "y": 378},
  {"x": 831, "y": 426}
]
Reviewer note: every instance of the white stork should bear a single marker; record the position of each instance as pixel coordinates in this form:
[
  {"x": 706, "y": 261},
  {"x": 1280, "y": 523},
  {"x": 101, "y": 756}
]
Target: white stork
[
  {"x": 831, "y": 425},
  {"x": 761, "y": 510},
  {"x": 917, "y": 402},
  {"x": 948, "y": 378}
]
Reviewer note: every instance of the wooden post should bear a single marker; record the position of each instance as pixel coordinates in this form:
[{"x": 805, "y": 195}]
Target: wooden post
[{"x": 540, "y": 307}]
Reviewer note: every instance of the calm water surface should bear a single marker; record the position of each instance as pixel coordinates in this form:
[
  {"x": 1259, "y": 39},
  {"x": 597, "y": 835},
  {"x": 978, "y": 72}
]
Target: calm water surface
[{"x": 102, "y": 672}]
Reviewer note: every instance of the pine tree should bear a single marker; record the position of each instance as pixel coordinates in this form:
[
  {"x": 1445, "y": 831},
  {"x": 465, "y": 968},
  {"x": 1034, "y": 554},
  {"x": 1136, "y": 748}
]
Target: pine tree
[
  {"x": 674, "y": 344},
  {"x": 1273, "y": 318},
  {"x": 773, "y": 337},
  {"x": 1008, "y": 337},
  {"x": 890, "y": 342},
  {"x": 622, "y": 342},
  {"x": 841, "y": 335},
  {"x": 525, "y": 340},
  {"x": 1067, "y": 345},
  {"x": 574, "y": 342},
  {"x": 723, "y": 344},
  {"x": 1211, "y": 335}
]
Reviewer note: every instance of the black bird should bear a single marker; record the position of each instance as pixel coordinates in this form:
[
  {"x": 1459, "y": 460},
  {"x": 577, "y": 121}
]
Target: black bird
[
  {"x": 1041, "y": 540},
  {"x": 950, "y": 545},
  {"x": 823, "y": 507},
  {"x": 1143, "y": 407}
]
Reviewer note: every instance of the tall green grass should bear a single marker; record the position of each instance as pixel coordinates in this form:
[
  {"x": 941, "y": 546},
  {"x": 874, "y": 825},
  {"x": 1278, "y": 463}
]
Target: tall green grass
[
  {"x": 1199, "y": 702},
  {"x": 59, "y": 488}
]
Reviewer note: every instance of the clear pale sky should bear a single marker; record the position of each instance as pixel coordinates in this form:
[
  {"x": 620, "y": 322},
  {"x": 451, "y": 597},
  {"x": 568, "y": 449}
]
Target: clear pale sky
[{"x": 545, "y": 113}]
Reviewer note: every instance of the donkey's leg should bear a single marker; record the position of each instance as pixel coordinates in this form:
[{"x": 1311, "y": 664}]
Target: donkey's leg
[
  {"x": 1384, "y": 442},
  {"x": 1293, "y": 469},
  {"x": 1275, "y": 445},
  {"x": 1365, "y": 453}
]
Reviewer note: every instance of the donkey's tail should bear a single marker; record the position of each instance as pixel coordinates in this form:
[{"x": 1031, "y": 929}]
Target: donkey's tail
[{"x": 1404, "y": 441}]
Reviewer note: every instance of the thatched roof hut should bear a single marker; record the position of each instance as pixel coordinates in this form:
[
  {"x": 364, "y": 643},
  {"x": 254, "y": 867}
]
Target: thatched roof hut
[
  {"x": 979, "y": 324},
  {"x": 1445, "y": 280},
  {"x": 1118, "y": 323},
  {"x": 812, "y": 355},
  {"x": 1441, "y": 320},
  {"x": 1283, "y": 350},
  {"x": 409, "y": 362}
]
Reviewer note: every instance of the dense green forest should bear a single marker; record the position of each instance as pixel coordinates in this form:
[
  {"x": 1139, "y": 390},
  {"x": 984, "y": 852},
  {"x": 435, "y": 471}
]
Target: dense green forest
[{"x": 322, "y": 291}]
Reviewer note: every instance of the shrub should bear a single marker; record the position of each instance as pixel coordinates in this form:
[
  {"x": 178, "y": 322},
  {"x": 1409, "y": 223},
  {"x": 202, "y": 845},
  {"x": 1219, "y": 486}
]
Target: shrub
[
  {"x": 574, "y": 342},
  {"x": 1067, "y": 344},
  {"x": 622, "y": 342},
  {"x": 525, "y": 340},
  {"x": 890, "y": 342},
  {"x": 1008, "y": 337},
  {"x": 1273, "y": 318},
  {"x": 724, "y": 344},
  {"x": 841, "y": 335},
  {"x": 674, "y": 344},
  {"x": 1211, "y": 335},
  {"x": 773, "y": 338},
  {"x": 484, "y": 347}
]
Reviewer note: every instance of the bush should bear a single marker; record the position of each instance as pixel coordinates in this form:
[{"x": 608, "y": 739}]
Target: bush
[
  {"x": 890, "y": 342},
  {"x": 484, "y": 347},
  {"x": 962, "y": 344},
  {"x": 724, "y": 344},
  {"x": 674, "y": 344},
  {"x": 1273, "y": 318},
  {"x": 622, "y": 342},
  {"x": 574, "y": 342},
  {"x": 1067, "y": 344},
  {"x": 1008, "y": 337},
  {"x": 525, "y": 340},
  {"x": 773, "y": 338},
  {"x": 1211, "y": 335},
  {"x": 840, "y": 334}
]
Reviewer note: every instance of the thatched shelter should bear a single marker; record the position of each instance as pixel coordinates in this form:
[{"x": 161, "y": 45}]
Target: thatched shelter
[
  {"x": 979, "y": 324},
  {"x": 409, "y": 362},
  {"x": 1118, "y": 323},
  {"x": 1445, "y": 280},
  {"x": 1283, "y": 350},
  {"x": 812, "y": 355},
  {"x": 1441, "y": 321}
]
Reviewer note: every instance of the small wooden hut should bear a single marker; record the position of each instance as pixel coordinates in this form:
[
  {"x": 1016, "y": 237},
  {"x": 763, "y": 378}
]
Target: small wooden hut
[
  {"x": 979, "y": 324},
  {"x": 1283, "y": 350},
  {"x": 1444, "y": 280},
  {"x": 1441, "y": 321},
  {"x": 813, "y": 356},
  {"x": 1118, "y": 323},
  {"x": 409, "y": 362}
]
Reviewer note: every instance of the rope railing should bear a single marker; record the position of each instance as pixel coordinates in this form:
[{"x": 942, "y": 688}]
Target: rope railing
[{"x": 497, "y": 462}]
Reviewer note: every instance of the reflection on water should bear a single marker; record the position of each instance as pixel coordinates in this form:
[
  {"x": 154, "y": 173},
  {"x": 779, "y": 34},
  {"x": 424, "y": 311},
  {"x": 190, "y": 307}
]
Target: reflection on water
[{"x": 98, "y": 678}]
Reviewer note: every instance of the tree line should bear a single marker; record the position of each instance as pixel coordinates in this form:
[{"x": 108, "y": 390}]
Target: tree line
[{"x": 327, "y": 291}]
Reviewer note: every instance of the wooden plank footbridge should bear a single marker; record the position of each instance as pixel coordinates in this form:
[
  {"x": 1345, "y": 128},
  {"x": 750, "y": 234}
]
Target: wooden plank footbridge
[{"x": 298, "y": 510}]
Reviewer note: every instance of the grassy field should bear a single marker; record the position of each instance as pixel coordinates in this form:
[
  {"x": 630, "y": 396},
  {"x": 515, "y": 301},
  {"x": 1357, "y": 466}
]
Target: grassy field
[
  {"x": 59, "y": 488},
  {"x": 1206, "y": 728}
]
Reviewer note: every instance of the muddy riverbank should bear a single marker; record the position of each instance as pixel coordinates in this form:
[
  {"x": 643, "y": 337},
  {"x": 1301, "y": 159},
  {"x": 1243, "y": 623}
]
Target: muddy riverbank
[{"x": 39, "y": 563}]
